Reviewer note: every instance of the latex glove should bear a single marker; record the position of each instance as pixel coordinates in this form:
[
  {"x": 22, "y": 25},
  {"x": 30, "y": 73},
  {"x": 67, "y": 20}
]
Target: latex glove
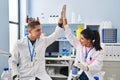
[
  {"x": 63, "y": 21},
  {"x": 64, "y": 11},
  {"x": 60, "y": 21},
  {"x": 81, "y": 66},
  {"x": 64, "y": 15}
]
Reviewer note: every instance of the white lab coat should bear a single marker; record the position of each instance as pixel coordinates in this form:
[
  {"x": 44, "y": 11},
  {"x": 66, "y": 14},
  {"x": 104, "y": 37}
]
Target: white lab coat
[
  {"x": 21, "y": 56},
  {"x": 97, "y": 56}
]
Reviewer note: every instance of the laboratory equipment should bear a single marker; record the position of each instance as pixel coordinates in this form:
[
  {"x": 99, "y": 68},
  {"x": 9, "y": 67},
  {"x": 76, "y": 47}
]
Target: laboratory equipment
[
  {"x": 78, "y": 31},
  {"x": 52, "y": 50},
  {"x": 75, "y": 73},
  {"x": 109, "y": 35},
  {"x": 6, "y": 74},
  {"x": 96, "y": 78},
  {"x": 112, "y": 51}
]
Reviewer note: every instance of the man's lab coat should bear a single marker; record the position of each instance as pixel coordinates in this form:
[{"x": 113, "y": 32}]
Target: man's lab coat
[{"x": 21, "y": 57}]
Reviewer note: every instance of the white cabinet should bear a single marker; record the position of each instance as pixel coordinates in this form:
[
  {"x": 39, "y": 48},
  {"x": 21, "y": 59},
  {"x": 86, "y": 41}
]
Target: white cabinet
[{"x": 58, "y": 67}]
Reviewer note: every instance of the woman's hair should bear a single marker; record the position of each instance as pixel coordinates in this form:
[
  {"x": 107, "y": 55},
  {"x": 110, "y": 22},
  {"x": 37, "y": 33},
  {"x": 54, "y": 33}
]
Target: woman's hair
[{"x": 93, "y": 36}]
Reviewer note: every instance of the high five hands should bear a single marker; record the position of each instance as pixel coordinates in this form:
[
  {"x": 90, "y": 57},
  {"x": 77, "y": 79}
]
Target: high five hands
[{"x": 62, "y": 20}]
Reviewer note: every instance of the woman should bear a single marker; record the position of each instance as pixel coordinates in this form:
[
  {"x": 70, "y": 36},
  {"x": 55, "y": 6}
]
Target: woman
[{"x": 89, "y": 53}]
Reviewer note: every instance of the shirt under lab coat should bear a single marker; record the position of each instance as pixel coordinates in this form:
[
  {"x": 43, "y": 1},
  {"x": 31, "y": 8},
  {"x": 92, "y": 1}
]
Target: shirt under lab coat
[
  {"x": 95, "y": 56},
  {"x": 21, "y": 56}
]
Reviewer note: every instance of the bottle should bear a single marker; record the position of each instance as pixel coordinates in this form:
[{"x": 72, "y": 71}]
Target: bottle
[
  {"x": 79, "y": 19},
  {"x": 42, "y": 18},
  {"x": 96, "y": 77},
  {"x": 72, "y": 51},
  {"x": 53, "y": 19},
  {"x": 78, "y": 31},
  {"x": 56, "y": 18},
  {"x": 74, "y": 70},
  {"x": 63, "y": 52},
  {"x": 50, "y": 19},
  {"x": 72, "y": 17},
  {"x": 74, "y": 32},
  {"x": 75, "y": 73},
  {"x": 6, "y": 74},
  {"x": 67, "y": 53}
]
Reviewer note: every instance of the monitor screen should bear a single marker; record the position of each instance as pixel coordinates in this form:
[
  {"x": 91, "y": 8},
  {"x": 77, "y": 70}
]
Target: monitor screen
[
  {"x": 109, "y": 35},
  {"x": 52, "y": 50},
  {"x": 93, "y": 27}
]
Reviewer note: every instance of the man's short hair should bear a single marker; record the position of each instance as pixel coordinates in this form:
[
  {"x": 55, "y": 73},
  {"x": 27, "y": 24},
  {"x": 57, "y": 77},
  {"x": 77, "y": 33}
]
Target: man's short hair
[{"x": 33, "y": 24}]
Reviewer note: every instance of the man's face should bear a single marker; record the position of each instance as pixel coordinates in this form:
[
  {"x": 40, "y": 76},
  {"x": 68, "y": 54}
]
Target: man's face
[{"x": 35, "y": 32}]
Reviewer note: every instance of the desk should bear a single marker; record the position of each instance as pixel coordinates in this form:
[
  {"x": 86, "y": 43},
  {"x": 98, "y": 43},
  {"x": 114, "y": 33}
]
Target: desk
[{"x": 111, "y": 67}]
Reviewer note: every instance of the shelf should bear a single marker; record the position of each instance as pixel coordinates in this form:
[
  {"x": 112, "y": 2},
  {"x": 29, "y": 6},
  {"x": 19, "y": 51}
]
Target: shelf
[
  {"x": 61, "y": 40},
  {"x": 68, "y": 24},
  {"x": 64, "y": 58},
  {"x": 111, "y": 59},
  {"x": 57, "y": 65},
  {"x": 58, "y": 76}
]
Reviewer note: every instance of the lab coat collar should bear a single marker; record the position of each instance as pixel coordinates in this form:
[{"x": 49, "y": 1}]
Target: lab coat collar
[
  {"x": 25, "y": 41},
  {"x": 91, "y": 53}
]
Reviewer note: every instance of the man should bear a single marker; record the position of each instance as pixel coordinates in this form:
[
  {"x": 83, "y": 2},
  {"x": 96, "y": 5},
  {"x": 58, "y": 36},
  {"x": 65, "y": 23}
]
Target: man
[{"x": 27, "y": 60}]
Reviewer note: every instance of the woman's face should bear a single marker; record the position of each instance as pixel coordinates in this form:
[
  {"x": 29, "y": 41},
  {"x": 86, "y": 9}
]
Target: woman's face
[{"x": 84, "y": 41}]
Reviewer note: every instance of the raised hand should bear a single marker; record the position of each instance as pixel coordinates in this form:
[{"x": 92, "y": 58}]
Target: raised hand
[
  {"x": 64, "y": 11},
  {"x": 62, "y": 20},
  {"x": 64, "y": 15}
]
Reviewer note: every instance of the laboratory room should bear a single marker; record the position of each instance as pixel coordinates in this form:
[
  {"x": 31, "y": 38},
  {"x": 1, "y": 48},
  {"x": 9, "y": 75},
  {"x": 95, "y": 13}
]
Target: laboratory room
[{"x": 60, "y": 40}]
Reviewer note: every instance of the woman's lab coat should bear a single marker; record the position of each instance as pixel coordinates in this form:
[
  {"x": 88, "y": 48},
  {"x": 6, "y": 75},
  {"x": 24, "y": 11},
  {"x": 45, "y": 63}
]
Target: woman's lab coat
[
  {"x": 94, "y": 60},
  {"x": 21, "y": 56}
]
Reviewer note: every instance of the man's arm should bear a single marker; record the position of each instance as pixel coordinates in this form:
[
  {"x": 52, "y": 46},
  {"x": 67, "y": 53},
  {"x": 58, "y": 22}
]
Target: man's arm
[{"x": 50, "y": 39}]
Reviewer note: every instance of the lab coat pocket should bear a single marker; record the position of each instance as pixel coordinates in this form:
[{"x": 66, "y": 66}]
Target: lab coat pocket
[{"x": 26, "y": 71}]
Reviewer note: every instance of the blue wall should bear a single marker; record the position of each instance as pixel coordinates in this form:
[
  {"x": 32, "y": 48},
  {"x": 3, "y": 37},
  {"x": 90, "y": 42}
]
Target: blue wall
[
  {"x": 4, "y": 31},
  {"x": 90, "y": 10},
  {"x": 4, "y": 25}
]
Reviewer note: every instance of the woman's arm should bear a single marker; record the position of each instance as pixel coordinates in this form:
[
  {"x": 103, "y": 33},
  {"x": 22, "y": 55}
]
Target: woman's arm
[{"x": 71, "y": 38}]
